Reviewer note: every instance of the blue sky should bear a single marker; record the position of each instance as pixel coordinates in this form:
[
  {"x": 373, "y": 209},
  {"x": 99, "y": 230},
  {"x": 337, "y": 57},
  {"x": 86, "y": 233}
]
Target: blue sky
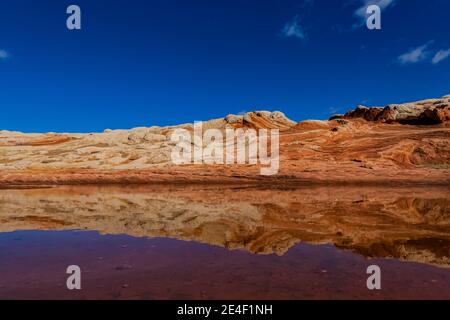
[{"x": 161, "y": 62}]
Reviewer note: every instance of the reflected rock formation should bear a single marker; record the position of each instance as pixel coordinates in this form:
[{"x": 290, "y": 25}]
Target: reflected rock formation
[{"x": 411, "y": 224}]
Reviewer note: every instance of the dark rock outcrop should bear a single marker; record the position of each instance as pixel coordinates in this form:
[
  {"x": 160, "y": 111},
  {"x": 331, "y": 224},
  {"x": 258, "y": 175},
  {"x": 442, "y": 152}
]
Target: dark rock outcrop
[{"x": 425, "y": 112}]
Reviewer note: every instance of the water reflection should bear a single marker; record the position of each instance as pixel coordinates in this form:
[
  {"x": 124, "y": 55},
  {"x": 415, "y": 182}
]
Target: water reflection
[{"x": 411, "y": 224}]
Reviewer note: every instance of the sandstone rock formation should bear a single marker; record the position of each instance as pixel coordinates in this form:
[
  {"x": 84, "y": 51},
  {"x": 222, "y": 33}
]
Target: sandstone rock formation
[
  {"x": 425, "y": 112},
  {"x": 260, "y": 120},
  {"x": 399, "y": 144}
]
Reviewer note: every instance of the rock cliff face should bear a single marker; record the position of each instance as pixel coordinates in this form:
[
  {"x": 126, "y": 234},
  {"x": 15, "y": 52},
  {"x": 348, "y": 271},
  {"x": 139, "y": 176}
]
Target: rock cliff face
[
  {"x": 398, "y": 144},
  {"x": 425, "y": 112}
]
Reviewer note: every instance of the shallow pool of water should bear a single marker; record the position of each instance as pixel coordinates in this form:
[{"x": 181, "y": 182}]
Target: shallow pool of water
[{"x": 210, "y": 242}]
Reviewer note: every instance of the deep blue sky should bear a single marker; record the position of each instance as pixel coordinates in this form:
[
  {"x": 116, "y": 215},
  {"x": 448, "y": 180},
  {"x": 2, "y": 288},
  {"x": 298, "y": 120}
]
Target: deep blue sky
[{"x": 160, "y": 62}]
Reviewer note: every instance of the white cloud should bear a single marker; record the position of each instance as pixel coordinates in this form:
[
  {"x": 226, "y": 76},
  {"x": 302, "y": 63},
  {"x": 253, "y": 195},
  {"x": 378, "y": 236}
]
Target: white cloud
[
  {"x": 3, "y": 54},
  {"x": 383, "y": 4},
  {"x": 415, "y": 55},
  {"x": 440, "y": 55},
  {"x": 361, "y": 11},
  {"x": 294, "y": 29}
]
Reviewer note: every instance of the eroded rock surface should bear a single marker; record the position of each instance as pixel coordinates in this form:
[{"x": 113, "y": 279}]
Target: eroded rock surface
[
  {"x": 424, "y": 112},
  {"x": 390, "y": 145}
]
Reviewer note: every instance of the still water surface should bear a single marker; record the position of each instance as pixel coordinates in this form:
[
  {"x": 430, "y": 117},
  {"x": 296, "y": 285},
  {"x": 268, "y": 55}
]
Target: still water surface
[{"x": 213, "y": 242}]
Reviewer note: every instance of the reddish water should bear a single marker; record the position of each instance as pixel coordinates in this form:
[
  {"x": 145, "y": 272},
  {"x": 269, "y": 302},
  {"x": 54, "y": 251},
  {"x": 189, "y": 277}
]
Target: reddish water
[{"x": 33, "y": 265}]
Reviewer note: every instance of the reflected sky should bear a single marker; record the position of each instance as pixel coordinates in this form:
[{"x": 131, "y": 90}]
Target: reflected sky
[{"x": 207, "y": 242}]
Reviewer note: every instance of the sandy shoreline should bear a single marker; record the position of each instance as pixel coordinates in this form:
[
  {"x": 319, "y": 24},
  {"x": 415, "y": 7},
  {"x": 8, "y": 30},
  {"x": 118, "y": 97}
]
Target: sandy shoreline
[{"x": 221, "y": 176}]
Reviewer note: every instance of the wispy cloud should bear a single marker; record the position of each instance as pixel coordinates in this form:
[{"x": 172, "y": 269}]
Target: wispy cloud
[
  {"x": 415, "y": 55},
  {"x": 333, "y": 110},
  {"x": 361, "y": 11},
  {"x": 383, "y": 4},
  {"x": 440, "y": 55},
  {"x": 4, "y": 54},
  {"x": 294, "y": 29}
]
